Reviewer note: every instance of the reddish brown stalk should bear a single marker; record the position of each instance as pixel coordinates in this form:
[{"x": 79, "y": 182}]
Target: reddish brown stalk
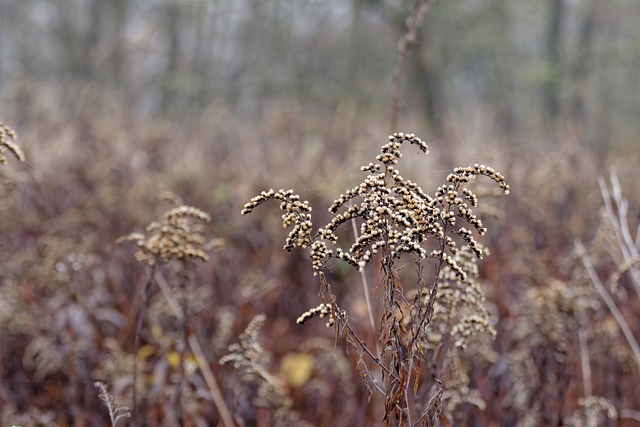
[
  {"x": 352, "y": 333},
  {"x": 433, "y": 291}
]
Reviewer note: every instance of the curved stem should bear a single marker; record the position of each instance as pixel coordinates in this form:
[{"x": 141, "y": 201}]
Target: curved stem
[
  {"x": 622, "y": 323},
  {"x": 426, "y": 318},
  {"x": 365, "y": 286},
  {"x": 353, "y": 334}
]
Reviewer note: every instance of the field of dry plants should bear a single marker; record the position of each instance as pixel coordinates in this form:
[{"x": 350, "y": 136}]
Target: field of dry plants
[
  {"x": 247, "y": 257},
  {"x": 204, "y": 301}
]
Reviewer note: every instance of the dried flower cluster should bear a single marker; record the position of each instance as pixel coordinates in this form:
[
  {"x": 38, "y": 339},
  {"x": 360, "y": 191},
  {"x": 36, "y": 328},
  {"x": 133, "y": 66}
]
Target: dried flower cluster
[
  {"x": 267, "y": 390},
  {"x": 8, "y": 144},
  {"x": 395, "y": 212},
  {"x": 116, "y": 412},
  {"x": 323, "y": 310},
  {"x": 397, "y": 217},
  {"x": 247, "y": 353},
  {"x": 173, "y": 238},
  {"x": 171, "y": 242},
  {"x": 296, "y": 213},
  {"x": 42, "y": 357},
  {"x": 594, "y": 411},
  {"x": 553, "y": 314},
  {"x": 459, "y": 309}
]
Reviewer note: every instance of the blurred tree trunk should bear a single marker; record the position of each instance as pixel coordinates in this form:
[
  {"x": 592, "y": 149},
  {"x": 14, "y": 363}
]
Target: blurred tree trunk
[
  {"x": 553, "y": 82},
  {"x": 581, "y": 66},
  {"x": 428, "y": 69},
  {"x": 4, "y": 23},
  {"x": 355, "y": 54},
  {"x": 200, "y": 60},
  {"x": 505, "y": 87},
  {"x": 78, "y": 46},
  {"x": 89, "y": 43},
  {"x": 254, "y": 44},
  {"x": 119, "y": 12},
  {"x": 172, "y": 29}
]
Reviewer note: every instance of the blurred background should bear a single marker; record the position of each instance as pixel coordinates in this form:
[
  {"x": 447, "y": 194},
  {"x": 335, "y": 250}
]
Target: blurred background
[
  {"x": 531, "y": 66},
  {"x": 117, "y": 101}
]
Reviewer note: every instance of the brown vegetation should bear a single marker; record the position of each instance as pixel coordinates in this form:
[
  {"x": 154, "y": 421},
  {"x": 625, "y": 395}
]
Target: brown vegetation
[
  {"x": 71, "y": 295},
  {"x": 133, "y": 291}
]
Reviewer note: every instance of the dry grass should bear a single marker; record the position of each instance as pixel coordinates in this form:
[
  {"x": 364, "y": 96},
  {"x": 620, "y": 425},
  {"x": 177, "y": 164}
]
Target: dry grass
[{"x": 70, "y": 295}]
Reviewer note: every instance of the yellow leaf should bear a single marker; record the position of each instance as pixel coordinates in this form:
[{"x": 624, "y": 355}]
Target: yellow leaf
[
  {"x": 296, "y": 368},
  {"x": 190, "y": 363},
  {"x": 146, "y": 351},
  {"x": 173, "y": 358}
]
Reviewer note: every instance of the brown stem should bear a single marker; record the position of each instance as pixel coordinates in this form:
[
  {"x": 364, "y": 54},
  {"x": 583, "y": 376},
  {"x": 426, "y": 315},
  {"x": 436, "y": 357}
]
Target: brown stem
[
  {"x": 353, "y": 334},
  {"x": 413, "y": 23},
  {"x": 365, "y": 286},
  {"x": 136, "y": 347},
  {"x": 615, "y": 311},
  {"x": 194, "y": 344},
  {"x": 426, "y": 319},
  {"x": 182, "y": 320}
]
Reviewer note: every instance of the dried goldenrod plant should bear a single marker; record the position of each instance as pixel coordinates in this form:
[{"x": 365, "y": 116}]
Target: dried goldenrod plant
[
  {"x": 626, "y": 243},
  {"x": 594, "y": 411},
  {"x": 116, "y": 412},
  {"x": 172, "y": 243},
  {"x": 172, "y": 239},
  {"x": 559, "y": 314},
  {"x": 264, "y": 390},
  {"x": 538, "y": 365},
  {"x": 8, "y": 139},
  {"x": 420, "y": 323},
  {"x": 615, "y": 249},
  {"x": 8, "y": 144}
]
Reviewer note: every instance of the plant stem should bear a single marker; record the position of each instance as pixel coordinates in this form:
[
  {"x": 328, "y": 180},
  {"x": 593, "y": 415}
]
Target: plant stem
[
  {"x": 620, "y": 224},
  {"x": 203, "y": 364},
  {"x": 624, "y": 326},
  {"x": 365, "y": 286},
  {"x": 136, "y": 347},
  {"x": 584, "y": 360},
  {"x": 413, "y": 23},
  {"x": 182, "y": 320}
]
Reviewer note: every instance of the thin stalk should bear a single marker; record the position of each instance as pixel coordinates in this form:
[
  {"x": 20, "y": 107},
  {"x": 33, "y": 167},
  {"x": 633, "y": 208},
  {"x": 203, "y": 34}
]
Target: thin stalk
[
  {"x": 136, "y": 347},
  {"x": 210, "y": 379},
  {"x": 182, "y": 320},
  {"x": 365, "y": 286},
  {"x": 586, "y": 365},
  {"x": 194, "y": 344},
  {"x": 425, "y": 319},
  {"x": 408, "y": 39},
  {"x": 620, "y": 224},
  {"x": 630, "y": 414},
  {"x": 352, "y": 333},
  {"x": 622, "y": 323}
]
